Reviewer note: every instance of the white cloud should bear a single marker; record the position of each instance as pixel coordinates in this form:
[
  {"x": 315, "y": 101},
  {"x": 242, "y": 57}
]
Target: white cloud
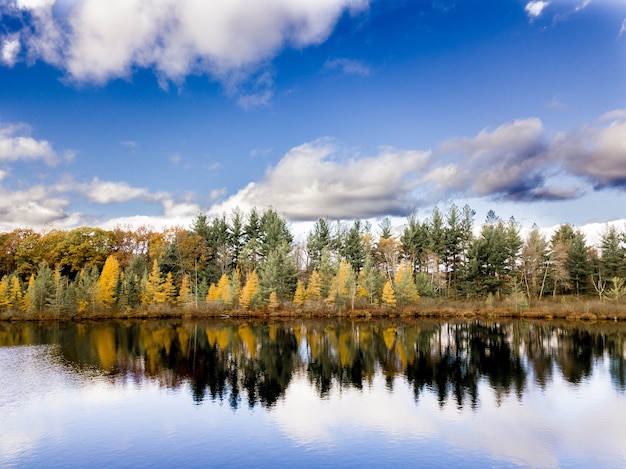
[
  {"x": 535, "y": 8},
  {"x": 35, "y": 206},
  {"x": 10, "y": 49},
  {"x": 311, "y": 181},
  {"x": 17, "y": 145},
  {"x": 598, "y": 154},
  {"x": 622, "y": 29},
  {"x": 96, "y": 41},
  {"x": 508, "y": 162}
]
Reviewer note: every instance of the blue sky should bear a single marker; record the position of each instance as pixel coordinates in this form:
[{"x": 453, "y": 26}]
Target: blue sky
[{"x": 150, "y": 111}]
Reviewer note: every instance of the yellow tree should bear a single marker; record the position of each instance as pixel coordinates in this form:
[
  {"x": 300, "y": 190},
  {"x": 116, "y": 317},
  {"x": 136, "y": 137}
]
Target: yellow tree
[
  {"x": 4, "y": 292},
  {"x": 105, "y": 292},
  {"x": 166, "y": 292},
  {"x": 250, "y": 289},
  {"x": 389, "y": 296},
  {"x": 185, "y": 296},
  {"x": 151, "y": 285},
  {"x": 343, "y": 286},
  {"x": 213, "y": 294},
  {"x": 16, "y": 298},
  {"x": 314, "y": 288},
  {"x": 274, "y": 303},
  {"x": 404, "y": 286},
  {"x": 299, "y": 296},
  {"x": 223, "y": 288}
]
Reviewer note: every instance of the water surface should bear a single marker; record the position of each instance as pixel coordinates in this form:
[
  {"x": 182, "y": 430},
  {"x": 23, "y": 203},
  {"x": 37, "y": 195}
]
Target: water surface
[{"x": 313, "y": 394}]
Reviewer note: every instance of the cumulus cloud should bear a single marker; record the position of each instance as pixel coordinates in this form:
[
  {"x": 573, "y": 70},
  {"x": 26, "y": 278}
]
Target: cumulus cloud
[
  {"x": 509, "y": 163},
  {"x": 95, "y": 41},
  {"x": 35, "y": 206},
  {"x": 535, "y": 8},
  {"x": 596, "y": 153},
  {"x": 17, "y": 145},
  {"x": 312, "y": 180}
]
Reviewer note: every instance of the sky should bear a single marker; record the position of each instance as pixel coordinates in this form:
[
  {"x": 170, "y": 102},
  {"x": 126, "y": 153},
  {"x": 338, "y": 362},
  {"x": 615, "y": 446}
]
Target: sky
[{"x": 131, "y": 112}]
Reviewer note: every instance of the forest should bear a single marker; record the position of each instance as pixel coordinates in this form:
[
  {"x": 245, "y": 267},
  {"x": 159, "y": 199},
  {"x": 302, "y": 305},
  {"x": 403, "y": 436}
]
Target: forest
[{"x": 247, "y": 262}]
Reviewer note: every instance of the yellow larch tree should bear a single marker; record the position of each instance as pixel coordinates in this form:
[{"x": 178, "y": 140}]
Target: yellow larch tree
[
  {"x": 4, "y": 292},
  {"x": 389, "y": 296},
  {"x": 314, "y": 288},
  {"x": 16, "y": 297},
  {"x": 185, "y": 296},
  {"x": 166, "y": 292},
  {"x": 213, "y": 293},
  {"x": 273, "y": 301},
  {"x": 404, "y": 285},
  {"x": 299, "y": 296},
  {"x": 250, "y": 289},
  {"x": 105, "y": 291},
  {"x": 151, "y": 285},
  {"x": 223, "y": 288}
]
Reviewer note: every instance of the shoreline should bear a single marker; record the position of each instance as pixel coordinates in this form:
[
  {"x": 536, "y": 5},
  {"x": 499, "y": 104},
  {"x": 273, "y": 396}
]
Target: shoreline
[{"x": 577, "y": 310}]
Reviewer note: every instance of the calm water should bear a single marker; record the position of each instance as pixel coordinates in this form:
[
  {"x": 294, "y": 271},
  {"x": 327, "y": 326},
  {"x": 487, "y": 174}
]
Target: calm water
[{"x": 313, "y": 394}]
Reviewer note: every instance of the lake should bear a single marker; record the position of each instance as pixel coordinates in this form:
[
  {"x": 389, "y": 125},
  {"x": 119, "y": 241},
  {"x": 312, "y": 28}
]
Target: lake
[{"x": 308, "y": 393}]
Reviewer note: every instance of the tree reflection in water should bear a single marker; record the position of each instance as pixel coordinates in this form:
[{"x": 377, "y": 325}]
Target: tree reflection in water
[{"x": 254, "y": 362}]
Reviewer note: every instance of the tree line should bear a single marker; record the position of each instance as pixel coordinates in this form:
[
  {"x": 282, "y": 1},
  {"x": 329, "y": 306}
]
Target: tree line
[{"x": 251, "y": 261}]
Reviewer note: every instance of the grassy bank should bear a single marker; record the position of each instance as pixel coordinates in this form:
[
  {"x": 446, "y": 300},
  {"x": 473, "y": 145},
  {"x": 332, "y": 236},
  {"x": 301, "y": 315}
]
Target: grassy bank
[{"x": 586, "y": 309}]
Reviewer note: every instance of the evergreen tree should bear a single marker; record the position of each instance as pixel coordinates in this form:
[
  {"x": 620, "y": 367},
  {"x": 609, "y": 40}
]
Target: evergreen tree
[
  {"x": 578, "y": 264},
  {"x": 41, "y": 291}
]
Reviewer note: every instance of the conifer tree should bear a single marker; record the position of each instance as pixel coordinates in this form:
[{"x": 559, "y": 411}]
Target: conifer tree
[
  {"x": 389, "y": 296},
  {"x": 314, "y": 288},
  {"x": 185, "y": 296},
  {"x": 107, "y": 284},
  {"x": 250, "y": 291},
  {"x": 299, "y": 296},
  {"x": 273, "y": 301},
  {"x": 223, "y": 288},
  {"x": 213, "y": 294},
  {"x": 15, "y": 295},
  {"x": 4, "y": 292},
  {"x": 404, "y": 286},
  {"x": 151, "y": 284}
]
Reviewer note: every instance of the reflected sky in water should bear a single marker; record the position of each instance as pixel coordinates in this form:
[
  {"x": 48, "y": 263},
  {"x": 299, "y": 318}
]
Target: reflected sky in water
[{"x": 128, "y": 395}]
